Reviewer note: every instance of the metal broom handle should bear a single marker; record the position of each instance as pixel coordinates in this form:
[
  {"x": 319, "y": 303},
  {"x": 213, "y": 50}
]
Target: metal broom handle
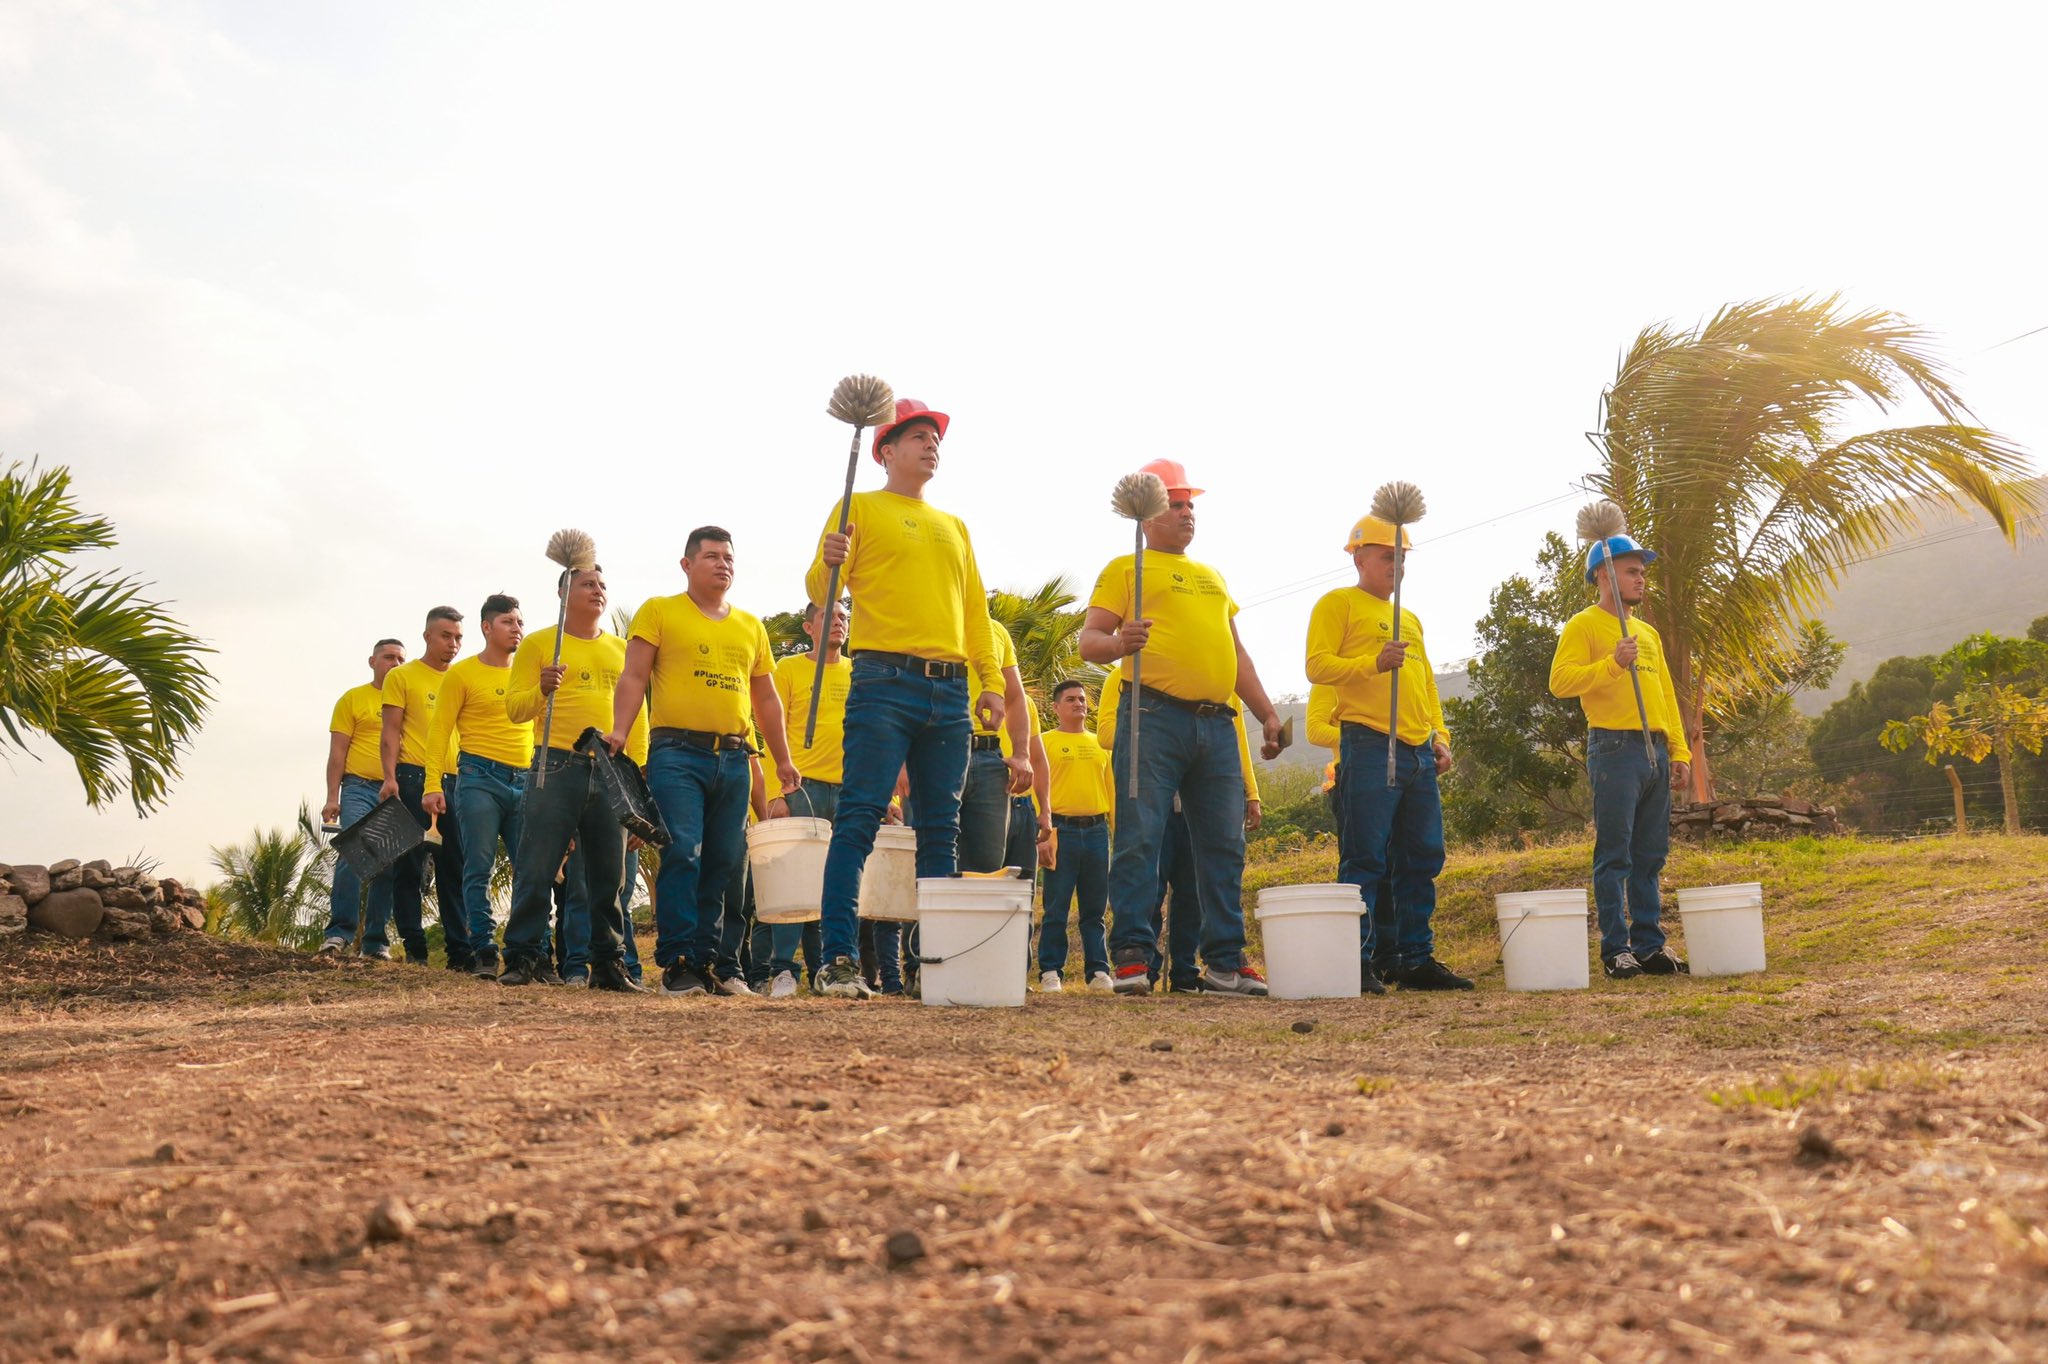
[
  {"x": 1394, "y": 673},
  {"x": 1138, "y": 656},
  {"x": 547, "y": 724},
  {"x": 830, "y": 605}
]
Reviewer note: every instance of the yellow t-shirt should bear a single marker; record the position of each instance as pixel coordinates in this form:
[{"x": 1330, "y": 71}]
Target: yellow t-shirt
[
  {"x": 824, "y": 760},
  {"x": 911, "y": 569},
  {"x": 1345, "y": 633},
  {"x": 413, "y": 688},
  {"x": 584, "y": 700},
  {"x": 359, "y": 715},
  {"x": 1005, "y": 657},
  {"x": 1193, "y": 654},
  {"x": 1323, "y": 730},
  {"x": 1081, "y": 783},
  {"x": 470, "y": 718},
  {"x": 1113, "y": 695},
  {"x": 1584, "y": 666},
  {"x": 702, "y": 667}
]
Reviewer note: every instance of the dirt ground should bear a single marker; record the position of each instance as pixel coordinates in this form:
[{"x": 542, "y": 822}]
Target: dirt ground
[{"x": 195, "y": 1138}]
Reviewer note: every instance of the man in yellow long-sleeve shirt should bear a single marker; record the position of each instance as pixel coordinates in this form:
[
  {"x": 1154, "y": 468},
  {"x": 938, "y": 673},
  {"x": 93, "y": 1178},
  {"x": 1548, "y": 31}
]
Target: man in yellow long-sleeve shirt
[
  {"x": 923, "y": 633},
  {"x": 1353, "y": 642},
  {"x": 411, "y": 696},
  {"x": 355, "y": 769},
  {"x": 493, "y": 752},
  {"x": 1632, "y": 781},
  {"x": 569, "y": 806}
]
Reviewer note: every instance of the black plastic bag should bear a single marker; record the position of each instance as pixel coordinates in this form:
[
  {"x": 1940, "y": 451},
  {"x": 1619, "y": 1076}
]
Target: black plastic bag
[{"x": 619, "y": 784}]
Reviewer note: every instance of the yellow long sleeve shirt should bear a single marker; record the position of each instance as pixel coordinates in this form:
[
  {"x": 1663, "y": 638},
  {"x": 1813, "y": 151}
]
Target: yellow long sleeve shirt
[
  {"x": 1584, "y": 667},
  {"x": 1323, "y": 729},
  {"x": 469, "y": 717},
  {"x": 1346, "y": 631},
  {"x": 911, "y": 569}
]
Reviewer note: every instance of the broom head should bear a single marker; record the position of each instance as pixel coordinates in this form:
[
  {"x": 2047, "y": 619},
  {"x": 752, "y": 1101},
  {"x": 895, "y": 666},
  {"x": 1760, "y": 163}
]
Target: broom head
[
  {"x": 1602, "y": 521},
  {"x": 574, "y": 550},
  {"x": 862, "y": 400},
  {"x": 1140, "y": 497},
  {"x": 1398, "y": 503}
]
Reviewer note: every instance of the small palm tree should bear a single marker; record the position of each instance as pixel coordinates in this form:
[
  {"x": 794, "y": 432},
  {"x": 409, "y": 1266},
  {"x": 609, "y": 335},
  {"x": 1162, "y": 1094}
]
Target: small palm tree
[
  {"x": 84, "y": 659},
  {"x": 1045, "y": 625},
  {"x": 274, "y": 888}
]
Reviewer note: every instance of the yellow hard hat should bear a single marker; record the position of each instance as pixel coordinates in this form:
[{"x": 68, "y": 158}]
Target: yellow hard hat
[{"x": 1370, "y": 530}]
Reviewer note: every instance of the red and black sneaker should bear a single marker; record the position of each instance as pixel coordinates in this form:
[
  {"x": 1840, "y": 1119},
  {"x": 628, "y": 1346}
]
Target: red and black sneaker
[
  {"x": 1244, "y": 983},
  {"x": 1133, "y": 976}
]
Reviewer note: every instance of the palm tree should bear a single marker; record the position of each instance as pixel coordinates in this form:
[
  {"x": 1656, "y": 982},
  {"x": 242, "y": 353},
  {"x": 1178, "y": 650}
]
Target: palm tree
[
  {"x": 1725, "y": 446},
  {"x": 1046, "y": 627},
  {"x": 274, "y": 888},
  {"x": 84, "y": 659}
]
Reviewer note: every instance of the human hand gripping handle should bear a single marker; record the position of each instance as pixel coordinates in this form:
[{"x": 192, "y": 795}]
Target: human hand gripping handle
[{"x": 1629, "y": 647}]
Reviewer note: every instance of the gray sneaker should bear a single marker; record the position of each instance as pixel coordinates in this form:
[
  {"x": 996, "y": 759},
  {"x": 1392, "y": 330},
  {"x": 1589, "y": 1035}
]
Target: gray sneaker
[
  {"x": 784, "y": 986},
  {"x": 334, "y": 947},
  {"x": 1244, "y": 983},
  {"x": 377, "y": 953},
  {"x": 842, "y": 980},
  {"x": 1622, "y": 966},
  {"x": 1664, "y": 962}
]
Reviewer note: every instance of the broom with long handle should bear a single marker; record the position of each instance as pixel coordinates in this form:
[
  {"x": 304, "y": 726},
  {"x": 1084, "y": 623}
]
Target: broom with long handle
[
  {"x": 575, "y": 551},
  {"x": 1399, "y": 504},
  {"x": 861, "y": 401},
  {"x": 1138, "y": 498},
  {"x": 1604, "y": 521}
]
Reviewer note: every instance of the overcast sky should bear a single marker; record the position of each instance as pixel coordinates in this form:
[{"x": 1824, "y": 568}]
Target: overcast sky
[{"x": 339, "y": 310}]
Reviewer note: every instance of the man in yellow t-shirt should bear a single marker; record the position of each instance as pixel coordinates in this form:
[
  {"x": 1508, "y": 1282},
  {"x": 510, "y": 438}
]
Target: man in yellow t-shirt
[
  {"x": 705, "y": 669},
  {"x": 1081, "y": 800},
  {"x": 355, "y": 769},
  {"x": 411, "y": 694},
  {"x": 1632, "y": 780},
  {"x": 1353, "y": 642},
  {"x": 569, "y": 808},
  {"x": 923, "y": 633},
  {"x": 1194, "y": 664},
  {"x": 494, "y": 752}
]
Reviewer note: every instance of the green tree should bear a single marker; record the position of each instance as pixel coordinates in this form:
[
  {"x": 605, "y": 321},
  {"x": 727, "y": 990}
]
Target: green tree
[
  {"x": 1994, "y": 716},
  {"x": 85, "y": 659},
  {"x": 274, "y": 888},
  {"x": 1726, "y": 446},
  {"x": 1761, "y": 736}
]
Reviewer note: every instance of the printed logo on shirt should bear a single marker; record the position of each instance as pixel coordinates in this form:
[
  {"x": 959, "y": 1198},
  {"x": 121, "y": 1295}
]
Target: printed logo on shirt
[{"x": 703, "y": 648}]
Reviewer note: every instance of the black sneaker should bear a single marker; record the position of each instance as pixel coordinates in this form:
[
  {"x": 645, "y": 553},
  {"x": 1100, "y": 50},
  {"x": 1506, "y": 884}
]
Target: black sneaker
[
  {"x": 841, "y": 979},
  {"x": 579, "y": 977},
  {"x": 1243, "y": 983},
  {"x": 1664, "y": 962},
  {"x": 377, "y": 953},
  {"x": 1369, "y": 982},
  {"x": 466, "y": 965},
  {"x": 611, "y": 975},
  {"x": 678, "y": 979},
  {"x": 1622, "y": 966},
  {"x": 1430, "y": 975},
  {"x": 487, "y": 966},
  {"x": 524, "y": 972},
  {"x": 1132, "y": 976}
]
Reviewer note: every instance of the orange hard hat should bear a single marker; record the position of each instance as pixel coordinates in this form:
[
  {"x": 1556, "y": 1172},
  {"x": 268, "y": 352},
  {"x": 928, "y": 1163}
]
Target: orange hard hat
[
  {"x": 907, "y": 411},
  {"x": 1172, "y": 475}
]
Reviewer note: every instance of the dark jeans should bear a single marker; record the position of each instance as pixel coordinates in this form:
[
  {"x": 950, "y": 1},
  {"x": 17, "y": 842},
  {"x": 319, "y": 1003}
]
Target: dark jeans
[
  {"x": 1197, "y": 757},
  {"x": 409, "y": 875},
  {"x": 572, "y": 917},
  {"x": 1375, "y": 931},
  {"x": 1395, "y": 831},
  {"x": 1081, "y": 870},
  {"x": 735, "y": 924},
  {"x": 567, "y": 807},
  {"x": 894, "y": 718},
  {"x": 1176, "y": 909},
  {"x": 985, "y": 812},
  {"x": 775, "y": 945},
  {"x": 703, "y": 800},
  {"x": 345, "y": 905},
  {"x": 487, "y": 807},
  {"x": 1631, "y": 837}
]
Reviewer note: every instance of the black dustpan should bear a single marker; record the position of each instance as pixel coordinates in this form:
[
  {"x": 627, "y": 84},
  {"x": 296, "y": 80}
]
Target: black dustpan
[
  {"x": 378, "y": 839},
  {"x": 623, "y": 790}
]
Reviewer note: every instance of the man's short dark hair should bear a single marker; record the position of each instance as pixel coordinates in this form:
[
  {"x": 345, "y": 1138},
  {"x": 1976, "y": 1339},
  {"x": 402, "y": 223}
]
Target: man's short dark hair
[
  {"x": 811, "y": 609},
  {"x": 382, "y": 642},
  {"x": 700, "y": 535},
  {"x": 1060, "y": 688},
  {"x": 496, "y": 605},
  {"x": 443, "y": 613}
]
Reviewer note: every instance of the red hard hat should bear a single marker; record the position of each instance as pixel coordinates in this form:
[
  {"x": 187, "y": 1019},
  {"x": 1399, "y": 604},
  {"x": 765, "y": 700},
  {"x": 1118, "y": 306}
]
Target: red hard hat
[
  {"x": 907, "y": 409},
  {"x": 1172, "y": 475}
]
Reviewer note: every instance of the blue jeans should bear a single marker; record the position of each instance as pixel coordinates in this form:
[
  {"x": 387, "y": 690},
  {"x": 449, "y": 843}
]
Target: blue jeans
[
  {"x": 408, "y": 876},
  {"x": 775, "y": 945},
  {"x": 1081, "y": 869},
  {"x": 626, "y": 888},
  {"x": 358, "y": 798},
  {"x": 1195, "y": 756},
  {"x": 702, "y": 796},
  {"x": 567, "y": 807},
  {"x": 1631, "y": 837},
  {"x": 894, "y": 718},
  {"x": 735, "y": 922},
  {"x": 985, "y": 812},
  {"x": 1376, "y": 930},
  {"x": 1396, "y": 829},
  {"x": 486, "y": 805},
  {"x": 572, "y": 918},
  {"x": 1176, "y": 910}
]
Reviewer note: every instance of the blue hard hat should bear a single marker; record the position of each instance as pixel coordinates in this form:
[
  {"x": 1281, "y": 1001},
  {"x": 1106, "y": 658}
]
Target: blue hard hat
[{"x": 1614, "y": 546}]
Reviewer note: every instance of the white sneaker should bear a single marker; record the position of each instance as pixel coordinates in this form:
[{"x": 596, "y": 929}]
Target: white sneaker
[
  {"x": 1049, "y": 983},
  {"x": 1101, "y": 983},
  {"x": 784, "y": 986},
  {"x": 735, "y": 986}
]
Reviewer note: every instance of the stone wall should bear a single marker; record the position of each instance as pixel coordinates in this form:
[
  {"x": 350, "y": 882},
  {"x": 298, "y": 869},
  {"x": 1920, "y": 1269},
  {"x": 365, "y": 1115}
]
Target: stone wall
[
  {"x": 76, "y": 899},
  {"x": 1755, "y": 817}
]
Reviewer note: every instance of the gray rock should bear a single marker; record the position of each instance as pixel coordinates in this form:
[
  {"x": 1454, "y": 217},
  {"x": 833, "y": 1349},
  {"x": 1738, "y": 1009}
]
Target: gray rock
[
  {"x": 73, "y": 879},
  {"x": 164, "y": 919},
  {"x": 68, "y": 864},
  {"x": 123, "y": 897},
  {"x": 127, "y": 876},
  {"x": 69, "y": 913},
  {"x": 30, "y": 883},
  {"x": 194, "y": 916},
  {"x": 13, "y": 915},
  {"x": 122, "y": 925},
  {"x": 100, "y": 865}
]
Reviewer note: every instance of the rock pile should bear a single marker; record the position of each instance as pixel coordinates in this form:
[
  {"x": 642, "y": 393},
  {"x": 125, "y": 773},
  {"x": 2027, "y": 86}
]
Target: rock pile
[
  {"x": 96, "y": 900},
  {"x": 1754, "y": 817}
]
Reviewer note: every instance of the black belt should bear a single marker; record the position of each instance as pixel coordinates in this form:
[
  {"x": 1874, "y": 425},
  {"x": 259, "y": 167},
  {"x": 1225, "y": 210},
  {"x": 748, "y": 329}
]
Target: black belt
[
  {"x": 701, "y": 738},
  {"x": 1656, "y": 734},
  {"x": 1079, "y": 821},
  {"x": 987, "y": 743},
  {"x": 924, "y": 667},
  {"x": 1205, "y": 709}
]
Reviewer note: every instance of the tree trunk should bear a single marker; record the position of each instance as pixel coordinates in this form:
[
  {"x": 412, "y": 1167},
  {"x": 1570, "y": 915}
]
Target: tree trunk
[
  {"x": 1691, "y": 694},
  {"x": 2009, "y": 793}
]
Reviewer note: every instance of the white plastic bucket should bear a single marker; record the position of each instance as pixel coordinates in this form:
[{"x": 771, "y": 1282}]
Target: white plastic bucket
[
  {"x": 973, "y": 933},
  {"x": 1543, "y": 939},
  {"x": 787, "y": 857},
  {"x": 888, "y": 883},
  {"x": 1724, "y": 928},
  {"x": 1311, "y": 935}
]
